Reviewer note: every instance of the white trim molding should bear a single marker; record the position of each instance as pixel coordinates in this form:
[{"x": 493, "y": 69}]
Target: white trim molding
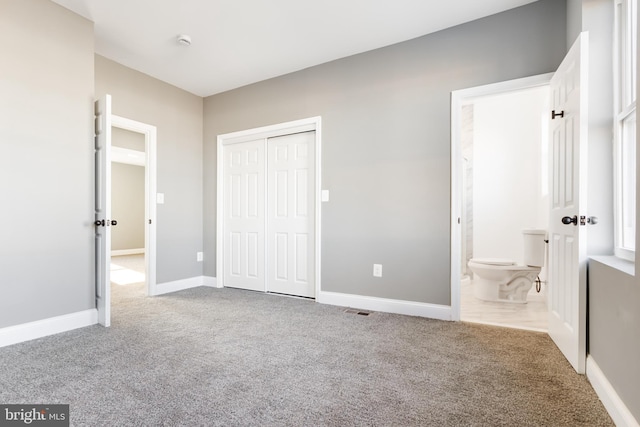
[
  {"x": 409, "y": 308},
  {"x": 51, "y": 326},
  {"x": 182, "y": 284},
  {"x": 122, "y": 252},
  {"x": 210, "y": 282},
  {"x": 178, "y": 285},
  {"x": 616, "y": 408}
]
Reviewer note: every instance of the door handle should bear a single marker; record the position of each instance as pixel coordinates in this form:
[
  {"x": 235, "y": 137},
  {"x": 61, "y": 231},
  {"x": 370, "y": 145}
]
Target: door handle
[
  {"x": 102, "y": 222},
  {"x": 570, "y": 220}
]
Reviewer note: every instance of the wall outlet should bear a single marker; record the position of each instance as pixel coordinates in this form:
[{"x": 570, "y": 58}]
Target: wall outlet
[
  {"x": 377, "y": 270},
  {"x": 199, "y": 256}
]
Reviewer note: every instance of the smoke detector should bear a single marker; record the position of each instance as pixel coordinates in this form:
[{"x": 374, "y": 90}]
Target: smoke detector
[{"x": 184, "y": 40}]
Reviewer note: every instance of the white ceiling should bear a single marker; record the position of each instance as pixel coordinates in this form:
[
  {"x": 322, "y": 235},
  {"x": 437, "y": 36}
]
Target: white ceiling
[{"x": 238, "y": 42}]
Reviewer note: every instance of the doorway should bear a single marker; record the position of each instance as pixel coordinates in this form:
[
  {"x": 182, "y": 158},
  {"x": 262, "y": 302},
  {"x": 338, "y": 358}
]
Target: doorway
[
  {"x": 568, "y": 163},
  {"x": 268, "y": 212},
  {"x": 133, "y": 148},
  {"x": 128, "y": 251},
  {"x": 105, "y": 123},
  {"x": 500, "y": 171}
]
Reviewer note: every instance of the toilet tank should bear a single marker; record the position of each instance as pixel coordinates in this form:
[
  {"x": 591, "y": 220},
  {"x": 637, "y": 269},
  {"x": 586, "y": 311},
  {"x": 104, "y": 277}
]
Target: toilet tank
[{"x": 534, "y": 241}]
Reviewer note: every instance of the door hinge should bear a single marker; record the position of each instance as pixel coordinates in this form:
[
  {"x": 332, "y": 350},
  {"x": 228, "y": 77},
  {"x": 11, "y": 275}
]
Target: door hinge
[{"x": 149, "y": 220}]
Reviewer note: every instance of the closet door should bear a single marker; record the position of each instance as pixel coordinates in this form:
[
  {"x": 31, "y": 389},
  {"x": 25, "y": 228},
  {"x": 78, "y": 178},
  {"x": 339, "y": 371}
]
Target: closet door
[
  {"x": 244, "y": 222},
  {"x": 290, "y": 214}
]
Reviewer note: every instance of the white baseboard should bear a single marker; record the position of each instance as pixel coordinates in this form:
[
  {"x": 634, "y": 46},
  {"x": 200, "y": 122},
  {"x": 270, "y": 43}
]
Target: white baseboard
[
  {"x": 410, "y": 308},
  {"x": 616, "y": 408},
  {"x": 121, "y": 252},
  {"x": 42, "y": 328},
  {"x": 177, "y": 285},
  {"x": 210, "y": 282}
]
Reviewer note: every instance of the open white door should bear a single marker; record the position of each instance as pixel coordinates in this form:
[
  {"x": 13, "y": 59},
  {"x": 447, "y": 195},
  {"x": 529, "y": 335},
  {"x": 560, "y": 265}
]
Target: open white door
[
  {"x": 103, "y": 208},
  {"x": 567, "y": 221}
]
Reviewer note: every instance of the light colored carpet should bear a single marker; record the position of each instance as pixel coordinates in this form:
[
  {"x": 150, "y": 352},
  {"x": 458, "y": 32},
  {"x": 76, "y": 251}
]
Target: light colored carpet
[{"x": 208, "y": 357}]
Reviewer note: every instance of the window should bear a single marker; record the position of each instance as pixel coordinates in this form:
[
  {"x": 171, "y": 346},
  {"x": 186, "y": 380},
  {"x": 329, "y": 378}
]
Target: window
[{"x": 625, "y": 128}]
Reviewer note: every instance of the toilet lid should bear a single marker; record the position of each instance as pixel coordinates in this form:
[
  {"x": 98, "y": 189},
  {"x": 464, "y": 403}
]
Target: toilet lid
[{"x": 493, "y": 261}]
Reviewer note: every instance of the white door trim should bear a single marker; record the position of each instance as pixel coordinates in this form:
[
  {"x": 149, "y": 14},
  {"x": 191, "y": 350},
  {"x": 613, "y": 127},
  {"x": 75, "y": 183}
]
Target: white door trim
[
  {"x": 281, "y": 129},
  {"x": 458, "y": 98},
  {"x": 150, "y": 186}
]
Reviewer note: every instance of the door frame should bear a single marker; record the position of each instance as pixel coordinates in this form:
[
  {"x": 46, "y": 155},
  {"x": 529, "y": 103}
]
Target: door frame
[
  {"x": 458, "y": 98},
  {"x": 264, "y": 132},
  {"x": 150, "y": 185}
]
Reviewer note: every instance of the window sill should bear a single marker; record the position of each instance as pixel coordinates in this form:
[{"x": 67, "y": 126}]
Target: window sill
[{"x": 616, "y": 263}]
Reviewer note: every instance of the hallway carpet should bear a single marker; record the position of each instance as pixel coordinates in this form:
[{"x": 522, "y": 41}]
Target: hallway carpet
[{"x": 225, "y": 357}]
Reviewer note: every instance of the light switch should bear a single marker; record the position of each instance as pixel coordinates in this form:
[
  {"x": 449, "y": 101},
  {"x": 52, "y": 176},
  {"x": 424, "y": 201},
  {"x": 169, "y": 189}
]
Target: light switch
[
  {"x": 325, "y": 195},
  {"x": 160, "y": 198}
]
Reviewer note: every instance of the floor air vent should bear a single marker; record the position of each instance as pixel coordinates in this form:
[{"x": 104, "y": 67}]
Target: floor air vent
[{"x": 356, "y": 311}]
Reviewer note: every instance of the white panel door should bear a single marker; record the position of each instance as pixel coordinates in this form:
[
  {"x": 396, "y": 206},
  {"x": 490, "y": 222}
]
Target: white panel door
[
  {"x": 244, "y": 219},
  {"x": 567, "y": 233},
  {"x": 102, "y": 222},
  {"x": 291, "y": 213}
]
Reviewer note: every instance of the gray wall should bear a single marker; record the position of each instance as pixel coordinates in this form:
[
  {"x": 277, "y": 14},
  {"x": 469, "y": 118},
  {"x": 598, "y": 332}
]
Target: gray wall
[
  {"x": 46, "y": 162},
  {"x": 178, "y": 117},
  {"x": 614, "y": 322},
  {"x": 127, "y": 206},
  {"x": 386, "y": 143},
  {"x": 574, "y": 21}
]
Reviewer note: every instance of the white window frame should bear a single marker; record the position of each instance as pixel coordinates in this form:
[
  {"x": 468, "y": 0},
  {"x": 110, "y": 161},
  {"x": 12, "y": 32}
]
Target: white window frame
[{"x": 624, "y": 110}]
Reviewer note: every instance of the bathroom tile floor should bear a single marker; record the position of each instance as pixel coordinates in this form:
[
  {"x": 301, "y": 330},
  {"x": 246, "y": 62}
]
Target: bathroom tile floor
[{"x": 531, "y": 316}]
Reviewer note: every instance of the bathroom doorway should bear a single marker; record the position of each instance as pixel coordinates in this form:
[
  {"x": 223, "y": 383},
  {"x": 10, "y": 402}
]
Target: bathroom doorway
[{"x": 502, "y": 134}]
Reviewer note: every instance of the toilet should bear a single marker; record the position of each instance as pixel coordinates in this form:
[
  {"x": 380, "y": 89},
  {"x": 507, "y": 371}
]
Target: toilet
[{"x": 499, "y": 279}]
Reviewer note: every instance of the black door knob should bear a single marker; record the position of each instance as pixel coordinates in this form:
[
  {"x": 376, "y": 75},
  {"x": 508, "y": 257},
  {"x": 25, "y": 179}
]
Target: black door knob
[
  {"x": 99, "y": 222},
  {"x": 114, "y": 222},
  {"x": 570, "y": 220}
]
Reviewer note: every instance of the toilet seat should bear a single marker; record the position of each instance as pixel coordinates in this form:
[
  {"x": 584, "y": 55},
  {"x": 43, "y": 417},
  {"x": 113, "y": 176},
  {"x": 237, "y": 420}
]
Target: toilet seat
[{"x": 493, "y": 261}]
